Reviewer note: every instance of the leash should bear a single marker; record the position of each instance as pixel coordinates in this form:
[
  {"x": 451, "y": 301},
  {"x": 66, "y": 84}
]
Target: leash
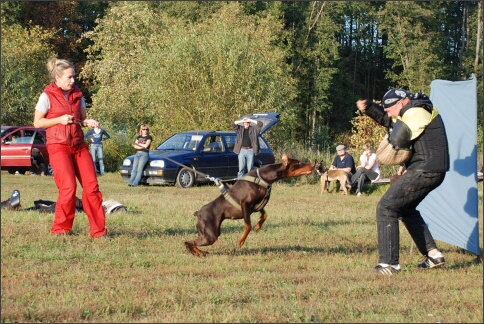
[
  {"x": 217, "y": 181},
  {"x": 191, "y": 169},
  {"x": 224, "y": 189}
]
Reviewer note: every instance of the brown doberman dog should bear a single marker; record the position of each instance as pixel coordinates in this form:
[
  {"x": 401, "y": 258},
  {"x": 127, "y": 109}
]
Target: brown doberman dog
[
  {"x": 332, "y": 175},
  {"x": 248, "y": 195}
]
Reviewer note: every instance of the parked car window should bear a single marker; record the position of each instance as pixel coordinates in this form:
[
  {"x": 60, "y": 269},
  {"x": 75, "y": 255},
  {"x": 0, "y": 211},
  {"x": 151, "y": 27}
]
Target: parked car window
[
  {"x": 213, "y": 144},
  {"x": 181, "y": 142},
  {"x": 27, "y": 138},
  {"x": 192, "y": 142},
  {"x": 38, "y": 139},
  {"x": 230, "y": 142},
  {"x": 24, "y": 140},
  {"x": 12, "y": 139},
  {"x": 262, "y": 144}
]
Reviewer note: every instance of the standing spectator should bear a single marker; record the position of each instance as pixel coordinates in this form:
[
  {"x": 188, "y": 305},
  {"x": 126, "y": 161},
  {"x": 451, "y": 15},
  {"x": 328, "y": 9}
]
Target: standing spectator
[
  {"x": 142, "y": 145},
  {"x": 415, "y": 123},
  {"x": 97, "y": 135},
  {"x": 344, "y": 161},
  {"x": 369, "y": 169},
  {"x": 61, "y": 111},
  {"x": 247, "y": 143}
]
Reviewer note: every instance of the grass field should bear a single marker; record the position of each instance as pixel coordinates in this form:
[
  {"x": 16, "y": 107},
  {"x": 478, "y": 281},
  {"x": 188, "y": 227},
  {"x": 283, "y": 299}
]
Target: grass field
[{"x": 310, "y": 262}]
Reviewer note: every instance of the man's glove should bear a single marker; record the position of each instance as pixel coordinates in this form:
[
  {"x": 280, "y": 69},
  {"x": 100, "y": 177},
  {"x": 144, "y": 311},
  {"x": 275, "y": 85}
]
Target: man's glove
[{"x": 400, "y": 136}]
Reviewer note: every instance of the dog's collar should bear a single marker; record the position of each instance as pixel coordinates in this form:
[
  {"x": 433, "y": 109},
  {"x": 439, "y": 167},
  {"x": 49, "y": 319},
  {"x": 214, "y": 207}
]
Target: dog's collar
[{"x": 257, "y": 180}]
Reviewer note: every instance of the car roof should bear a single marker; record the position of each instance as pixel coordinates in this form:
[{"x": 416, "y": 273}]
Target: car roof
[
  {"x": 6, "y": 128},
  {"x": 268, "y": 120},
  {"x": 204, "y": 132},
  {"x": 19, "y": 127},
  {"x": 9, "y": 129}
]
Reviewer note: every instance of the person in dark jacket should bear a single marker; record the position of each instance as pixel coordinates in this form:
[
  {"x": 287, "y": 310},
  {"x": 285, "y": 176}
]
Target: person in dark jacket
[
  {"x": 247, "y": 143},
  {"x": 344, "y": 161},
  {"x": 415, "y": 124},
  {"x": 142, "y": 145},
  {"x": 97, "y": 135}
]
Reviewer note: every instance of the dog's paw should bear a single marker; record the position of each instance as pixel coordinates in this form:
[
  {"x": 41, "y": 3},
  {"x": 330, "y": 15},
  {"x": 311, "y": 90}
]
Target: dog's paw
[{"x": 192, "y": 248}]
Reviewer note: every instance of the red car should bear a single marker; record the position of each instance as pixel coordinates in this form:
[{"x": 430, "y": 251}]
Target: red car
[{"x": 17, "y": 145}]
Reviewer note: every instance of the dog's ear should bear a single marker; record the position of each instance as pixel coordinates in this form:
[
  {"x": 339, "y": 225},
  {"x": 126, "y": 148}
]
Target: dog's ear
[
  {"x": 320, "y": 167},
  {"x": 285, "y": 160}
]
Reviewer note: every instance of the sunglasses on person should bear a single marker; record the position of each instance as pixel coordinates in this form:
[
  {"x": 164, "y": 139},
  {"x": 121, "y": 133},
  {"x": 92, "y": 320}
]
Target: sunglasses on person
[{"x": 145, "y": 129}]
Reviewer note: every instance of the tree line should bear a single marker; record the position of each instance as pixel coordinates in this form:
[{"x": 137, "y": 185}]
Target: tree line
[{"x": 199, "y": 65}]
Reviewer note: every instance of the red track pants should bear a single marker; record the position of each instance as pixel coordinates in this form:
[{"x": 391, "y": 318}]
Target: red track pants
[{"x": 68, "y": 163}]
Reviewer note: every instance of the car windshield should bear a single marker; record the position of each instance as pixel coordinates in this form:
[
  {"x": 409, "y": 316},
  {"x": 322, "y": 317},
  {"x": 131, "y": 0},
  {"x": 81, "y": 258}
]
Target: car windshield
[{"x": 181, "y": 142}]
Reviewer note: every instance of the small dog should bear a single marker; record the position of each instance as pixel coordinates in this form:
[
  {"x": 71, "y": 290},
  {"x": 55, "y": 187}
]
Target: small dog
[
  {"x": 248, "y": 195},
  {"x": 332, "y": 175}
]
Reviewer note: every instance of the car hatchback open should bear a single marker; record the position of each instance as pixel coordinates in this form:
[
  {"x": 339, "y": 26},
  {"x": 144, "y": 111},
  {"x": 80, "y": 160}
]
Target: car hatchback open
[{"x": 204, "y": 154}]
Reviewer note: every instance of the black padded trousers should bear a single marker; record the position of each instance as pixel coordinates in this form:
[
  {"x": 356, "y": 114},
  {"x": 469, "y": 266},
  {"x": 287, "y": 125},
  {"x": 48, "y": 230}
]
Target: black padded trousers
[{"x": 400, "y": 203}]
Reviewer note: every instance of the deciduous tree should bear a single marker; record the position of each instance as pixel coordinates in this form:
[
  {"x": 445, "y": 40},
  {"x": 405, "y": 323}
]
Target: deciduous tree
[
  {"x": 177, "y": 75},
  {"x": 24, "y": 75}
]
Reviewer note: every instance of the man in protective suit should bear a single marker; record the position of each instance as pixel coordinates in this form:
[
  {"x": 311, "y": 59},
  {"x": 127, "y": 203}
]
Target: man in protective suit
[{"x": 415, "y": 124}]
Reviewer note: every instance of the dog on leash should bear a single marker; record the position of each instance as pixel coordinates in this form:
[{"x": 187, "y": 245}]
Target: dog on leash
[
  {"x": 248, "y": 195},
  {"x": 332, "y": 175}
]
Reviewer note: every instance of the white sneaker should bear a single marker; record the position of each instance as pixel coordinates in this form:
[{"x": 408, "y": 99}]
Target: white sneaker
[{"x": 358, "y": 194}]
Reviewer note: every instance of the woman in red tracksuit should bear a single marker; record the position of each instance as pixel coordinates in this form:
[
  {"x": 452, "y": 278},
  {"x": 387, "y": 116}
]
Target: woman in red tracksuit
[{"x": 61, "y": 111}]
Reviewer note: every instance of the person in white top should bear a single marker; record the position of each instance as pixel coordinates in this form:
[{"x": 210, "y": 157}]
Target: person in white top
[{"x": 367, "y": 170}]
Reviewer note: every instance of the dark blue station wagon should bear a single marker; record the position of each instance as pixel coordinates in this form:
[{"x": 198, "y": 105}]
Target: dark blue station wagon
[{"x": 205, "y": 154}]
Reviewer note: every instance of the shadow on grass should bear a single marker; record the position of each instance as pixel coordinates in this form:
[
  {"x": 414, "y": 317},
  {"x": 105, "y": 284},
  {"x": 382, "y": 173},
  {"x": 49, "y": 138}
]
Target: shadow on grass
[
  {"x": 229, "y": 227},
  {"x": 237, "y": 228},
  {"x": 339, "y": 249},
  {"x": 466, "y": 264}
]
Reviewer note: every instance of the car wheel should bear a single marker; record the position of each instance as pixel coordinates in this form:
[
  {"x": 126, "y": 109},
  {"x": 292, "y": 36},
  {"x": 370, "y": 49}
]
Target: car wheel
[{"x": 185, "y": 178}]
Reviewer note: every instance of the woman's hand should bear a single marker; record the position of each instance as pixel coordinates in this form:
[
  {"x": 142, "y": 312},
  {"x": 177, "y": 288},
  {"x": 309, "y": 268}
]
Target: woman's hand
[{"x": 66, "y": 119}]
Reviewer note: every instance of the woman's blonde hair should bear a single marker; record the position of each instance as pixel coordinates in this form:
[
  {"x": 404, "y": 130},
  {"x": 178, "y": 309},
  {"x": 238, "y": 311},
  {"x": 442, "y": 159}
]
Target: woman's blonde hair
[
  {"x": 57, "y": 66},
  {"x": 143, "y": 126}
]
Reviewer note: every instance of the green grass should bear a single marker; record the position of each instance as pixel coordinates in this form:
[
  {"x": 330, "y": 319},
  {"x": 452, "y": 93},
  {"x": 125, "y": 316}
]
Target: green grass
[{"x": 310, "y": 262}]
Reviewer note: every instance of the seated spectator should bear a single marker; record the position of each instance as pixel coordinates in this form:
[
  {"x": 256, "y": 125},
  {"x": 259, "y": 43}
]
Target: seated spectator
[
  {"x": 344, "y": 161},
  {"x": 38, "y": 163},
  {"x": 368, "y": 170}
]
